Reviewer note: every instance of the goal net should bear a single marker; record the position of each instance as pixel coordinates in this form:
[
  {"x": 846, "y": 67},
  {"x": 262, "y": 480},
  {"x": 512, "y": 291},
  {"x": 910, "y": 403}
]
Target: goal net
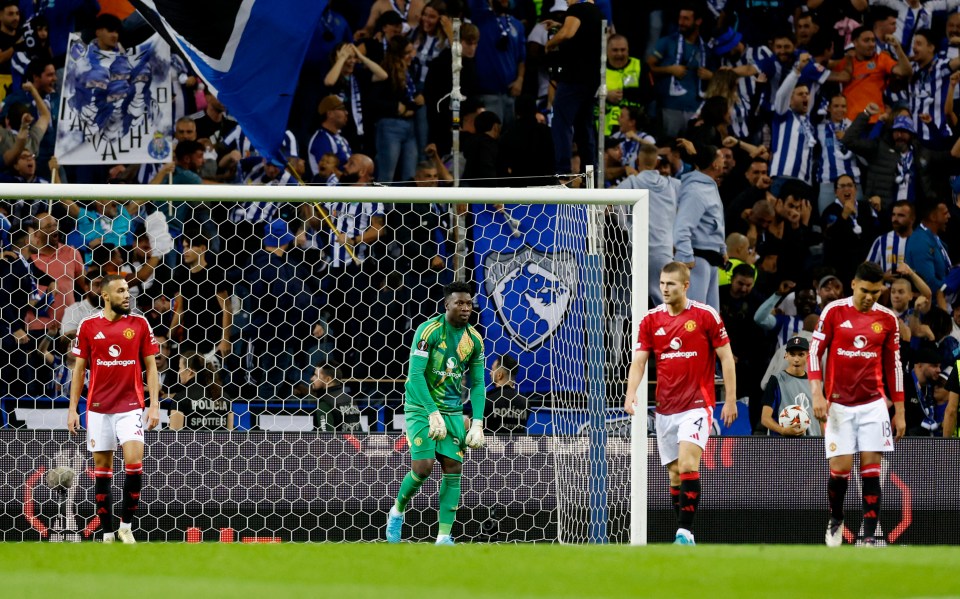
[{"x": 286, "y": 316}]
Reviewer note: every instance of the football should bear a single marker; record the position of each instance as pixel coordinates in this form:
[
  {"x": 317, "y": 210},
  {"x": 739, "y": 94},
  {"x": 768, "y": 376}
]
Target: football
[
  {"x": 794, "y": 414},
  {"x": 60, "y": 478}
]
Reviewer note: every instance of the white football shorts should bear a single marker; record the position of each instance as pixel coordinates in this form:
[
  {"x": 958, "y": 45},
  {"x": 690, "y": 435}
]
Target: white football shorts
[
  {"x": 692, "y": 426},
  {"x": 851, "y": 429},
  {"x": 103, "y": 430}
]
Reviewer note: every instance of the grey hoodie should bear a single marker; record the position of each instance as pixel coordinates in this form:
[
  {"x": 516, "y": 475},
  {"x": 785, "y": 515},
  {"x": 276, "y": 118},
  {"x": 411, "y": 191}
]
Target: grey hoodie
[
  {"x": 699, "y": 222},
  {"x": 663, "y": 206}
]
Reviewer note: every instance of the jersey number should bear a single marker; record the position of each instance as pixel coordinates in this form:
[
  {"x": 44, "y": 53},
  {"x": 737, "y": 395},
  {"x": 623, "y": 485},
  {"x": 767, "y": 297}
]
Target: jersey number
[{"x": 699, "y": 423}]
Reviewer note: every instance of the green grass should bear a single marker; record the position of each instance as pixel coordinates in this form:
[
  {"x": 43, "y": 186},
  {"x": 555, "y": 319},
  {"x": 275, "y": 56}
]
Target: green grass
[{"x": 473, "y": 571}]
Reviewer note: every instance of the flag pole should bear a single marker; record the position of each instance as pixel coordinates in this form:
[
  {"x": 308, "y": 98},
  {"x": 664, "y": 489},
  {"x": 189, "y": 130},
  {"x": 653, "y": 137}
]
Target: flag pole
[{"x": 323, "y": 213}]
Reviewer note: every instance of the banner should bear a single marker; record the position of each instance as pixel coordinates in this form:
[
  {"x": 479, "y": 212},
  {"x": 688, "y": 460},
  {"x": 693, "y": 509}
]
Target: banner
[
  {"x": 248, "y": 52},
  {"x": 327, "y": 487},
  {"x": 116, "y": 107},
  {"x": 530, "y": 263}
]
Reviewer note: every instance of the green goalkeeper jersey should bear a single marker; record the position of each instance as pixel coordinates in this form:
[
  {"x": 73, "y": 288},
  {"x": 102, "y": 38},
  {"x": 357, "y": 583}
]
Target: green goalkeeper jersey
[{"x": 441, "y": 356}]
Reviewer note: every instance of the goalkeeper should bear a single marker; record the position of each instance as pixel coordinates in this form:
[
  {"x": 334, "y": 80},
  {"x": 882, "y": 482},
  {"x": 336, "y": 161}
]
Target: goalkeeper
[{"x": 445, "y": 348}]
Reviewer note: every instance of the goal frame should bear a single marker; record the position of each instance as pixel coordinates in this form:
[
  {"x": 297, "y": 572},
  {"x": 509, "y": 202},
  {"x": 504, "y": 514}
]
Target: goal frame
[{"x": 638, "y": 199}]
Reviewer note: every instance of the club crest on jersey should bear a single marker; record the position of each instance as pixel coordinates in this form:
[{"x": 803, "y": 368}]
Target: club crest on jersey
[
  {"x": 531, "y": 291},
  {"x": 877, "y": 327},
  {"x": 129, "y": 333},
  {"x": 690, "y": 326}
]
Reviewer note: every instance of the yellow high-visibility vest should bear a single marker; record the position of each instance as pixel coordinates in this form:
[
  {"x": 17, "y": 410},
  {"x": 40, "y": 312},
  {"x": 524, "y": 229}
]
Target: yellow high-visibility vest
[{"x": 625, "y": 78}]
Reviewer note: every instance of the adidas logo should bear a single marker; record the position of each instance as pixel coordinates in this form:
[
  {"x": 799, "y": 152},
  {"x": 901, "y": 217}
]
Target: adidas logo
[
  {"x": 100, "y": 335},
  {"x": 660, "y": 332},
  {"x": 846, "y": 325}
]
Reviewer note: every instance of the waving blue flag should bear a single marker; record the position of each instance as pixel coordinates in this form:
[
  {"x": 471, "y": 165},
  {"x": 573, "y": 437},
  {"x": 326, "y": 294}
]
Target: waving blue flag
[{"x": 249, "y": 52}]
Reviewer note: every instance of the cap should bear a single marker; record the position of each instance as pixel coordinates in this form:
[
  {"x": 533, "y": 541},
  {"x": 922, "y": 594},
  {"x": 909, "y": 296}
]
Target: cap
[
  {"x": 827, "y": 279},
  {"x": 276, "y": 234},
  {"x": 726, "y": 41},
  {"x": 926, "y": 355},
  {"x": 904, "y": 123},
  {"x": 331, "y": 103},
  {"x": 798, "y": 344}
]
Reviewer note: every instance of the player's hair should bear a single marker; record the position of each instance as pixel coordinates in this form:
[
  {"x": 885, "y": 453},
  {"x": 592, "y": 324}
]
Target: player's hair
[
  {"x": 509, "y": 364},
  {"x": 107, "y": 279},
  {"x": 7, "y": 3},
  {"x": 742, "y": 270},
  {"x": 677, "y": 268},
  {"x": 869, "y": 272},
  {"x": 456, "y": 287}
]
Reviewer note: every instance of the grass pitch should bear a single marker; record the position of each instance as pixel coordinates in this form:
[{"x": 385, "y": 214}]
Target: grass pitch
[{"x": 383, "y": 571}]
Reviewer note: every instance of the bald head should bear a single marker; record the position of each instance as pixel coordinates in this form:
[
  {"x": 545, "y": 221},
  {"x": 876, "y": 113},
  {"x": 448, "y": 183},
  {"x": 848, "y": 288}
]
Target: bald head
[
  {"x": 738, "y": 246},
  {"x": 361, "y": 165}
]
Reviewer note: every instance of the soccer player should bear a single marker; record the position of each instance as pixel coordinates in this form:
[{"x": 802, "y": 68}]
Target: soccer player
[
  {"x": 686, "y": 337},
  {"x": 862, "y": 341},
  {"x": 117, "y": 345},
  {"x": 445, "y": 348}
]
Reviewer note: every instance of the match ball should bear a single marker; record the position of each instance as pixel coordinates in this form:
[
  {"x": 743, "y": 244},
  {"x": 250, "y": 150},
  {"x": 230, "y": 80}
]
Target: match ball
[
  {"x": 794, "y": 414},
  {"x": 60, "y": 478}
]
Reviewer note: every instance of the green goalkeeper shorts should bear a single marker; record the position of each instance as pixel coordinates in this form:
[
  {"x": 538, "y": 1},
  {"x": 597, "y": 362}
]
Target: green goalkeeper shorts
[{"x": 422, "y": 447}]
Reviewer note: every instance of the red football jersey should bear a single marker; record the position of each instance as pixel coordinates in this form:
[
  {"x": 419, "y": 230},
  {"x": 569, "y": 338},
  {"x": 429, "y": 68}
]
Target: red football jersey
[
  {"x": 114, "y": 351},
  {"x": 860, "y": 347},
  {"x": 685, "y": 348}
]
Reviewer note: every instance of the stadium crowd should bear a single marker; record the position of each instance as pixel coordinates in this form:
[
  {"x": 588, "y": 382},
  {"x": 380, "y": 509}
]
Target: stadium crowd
[{"x": 783, "y": 142}]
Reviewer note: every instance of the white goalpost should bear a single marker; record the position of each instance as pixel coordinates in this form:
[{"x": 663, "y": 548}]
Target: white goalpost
[{"x": 581, "y": 306}]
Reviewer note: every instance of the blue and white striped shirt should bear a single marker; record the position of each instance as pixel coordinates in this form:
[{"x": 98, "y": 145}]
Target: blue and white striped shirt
[
  {"x": 324, "y": 142},
  {"x": 928, "y": 95},
  {"x": 787, "y": 327},
  {"x": 793, "y": 136},
  {"x": 888, "y": 251},
  {"x": 351, "y": 219},
  {"x": 259, "y": 171},
  {"x": 835, "y": 158},
  {"x": 430, "y": 47},
  {"x": 255, "y": 212},
  {"x": 746, "y": 86}
]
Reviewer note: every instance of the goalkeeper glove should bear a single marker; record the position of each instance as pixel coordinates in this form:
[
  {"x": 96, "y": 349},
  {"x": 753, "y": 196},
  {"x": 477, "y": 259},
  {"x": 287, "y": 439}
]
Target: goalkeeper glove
[
  {"x": 438, "y": 429},
  {"x": 475, "y": 439}
]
